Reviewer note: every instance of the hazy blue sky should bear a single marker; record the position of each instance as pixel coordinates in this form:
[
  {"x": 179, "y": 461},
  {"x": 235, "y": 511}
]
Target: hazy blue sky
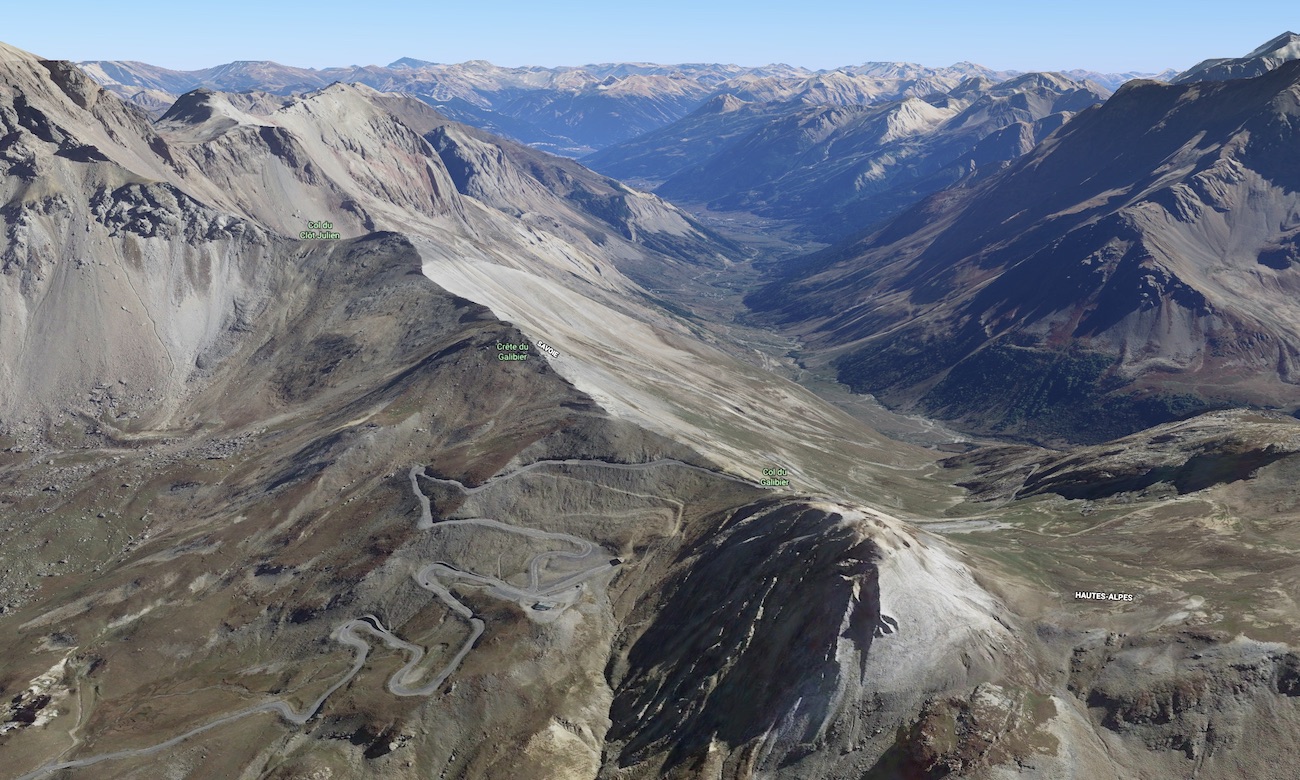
[{"x": 1112, "y": 35}]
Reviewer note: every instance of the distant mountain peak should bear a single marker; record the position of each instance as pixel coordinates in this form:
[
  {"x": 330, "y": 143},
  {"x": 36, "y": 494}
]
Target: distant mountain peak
[
  {"x": 722, "y": 104},
  {"x": 568, "y": 110},
  {"x": 1283, "y": 48},
  {"x": 409, "y": 63},
  {"x": 976, "y": 84},
  {"x": 1040, "y": 78},
  {"x": 1277, "y": 44}
]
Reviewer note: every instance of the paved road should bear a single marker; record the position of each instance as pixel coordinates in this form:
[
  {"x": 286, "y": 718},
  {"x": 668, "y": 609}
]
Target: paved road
[
  {"x": 435, "y": 577},
  {"x": 279, "y": 707},
  {"x": 426, "y": 512}
]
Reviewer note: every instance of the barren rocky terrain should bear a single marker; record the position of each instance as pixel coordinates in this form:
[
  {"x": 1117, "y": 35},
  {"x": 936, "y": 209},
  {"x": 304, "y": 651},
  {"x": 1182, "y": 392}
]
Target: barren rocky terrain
[
  {"x": 341, "y": 440},
  {"x": 216, "y": 431}
]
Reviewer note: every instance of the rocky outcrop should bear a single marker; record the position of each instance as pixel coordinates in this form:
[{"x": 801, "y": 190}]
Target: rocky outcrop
[
  {"x": 729, "y": 669},
  {"x": 1183, "y": 457},
  {"x": 1192, "y": 700}
]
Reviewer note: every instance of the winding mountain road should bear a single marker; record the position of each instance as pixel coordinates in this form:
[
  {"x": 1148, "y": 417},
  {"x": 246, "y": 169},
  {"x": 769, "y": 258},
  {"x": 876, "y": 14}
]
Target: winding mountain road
[{"x": 436, "y": 578}]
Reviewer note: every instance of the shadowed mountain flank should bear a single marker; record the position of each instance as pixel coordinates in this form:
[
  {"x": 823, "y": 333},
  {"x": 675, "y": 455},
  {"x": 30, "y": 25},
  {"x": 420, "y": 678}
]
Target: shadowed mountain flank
[
  {"x": 1136, "y": 266},
  {"x": 793, "y": 669}
]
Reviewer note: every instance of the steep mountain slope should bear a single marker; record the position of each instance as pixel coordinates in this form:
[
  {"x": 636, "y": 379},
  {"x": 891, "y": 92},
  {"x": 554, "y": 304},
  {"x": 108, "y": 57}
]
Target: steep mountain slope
[
  {"x": 342, "y": 156},
  {"x": 561, "y": 195},
  {"x": 552, "y": 191},
  {"x": 242, "y": 465},
  {"x": 1283, "y": 48},
  {"x": 1138, "y": 264}
]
